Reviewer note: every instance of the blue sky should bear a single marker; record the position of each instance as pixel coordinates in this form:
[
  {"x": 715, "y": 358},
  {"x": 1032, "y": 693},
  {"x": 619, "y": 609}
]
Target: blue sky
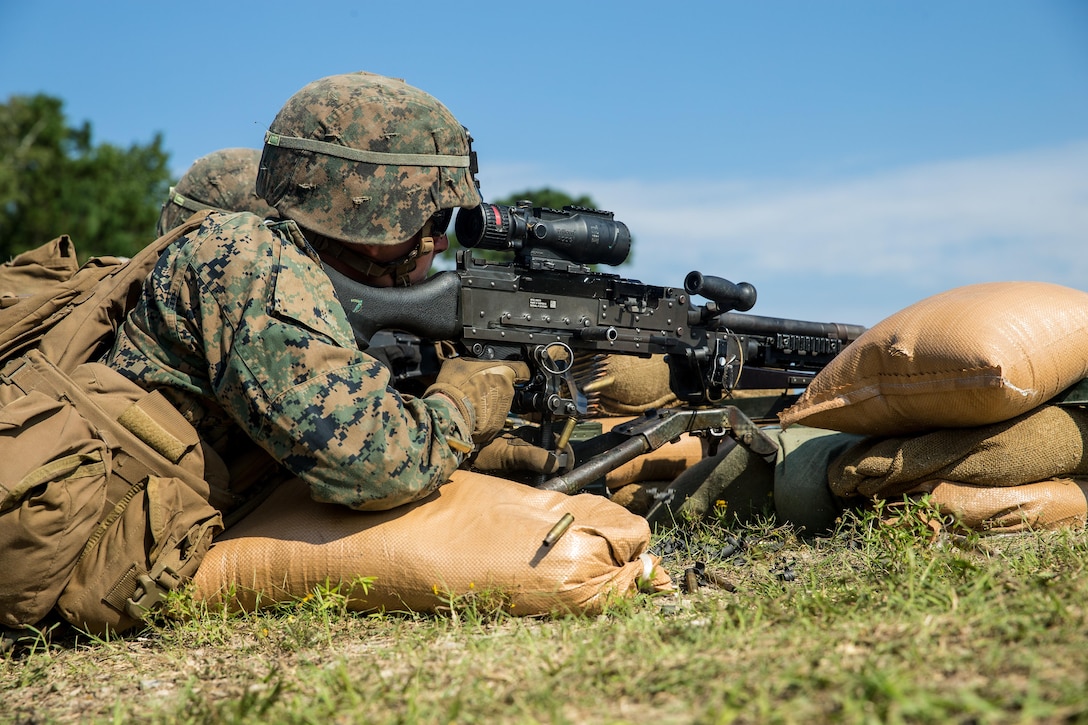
[{"x": 846, "y": 157}]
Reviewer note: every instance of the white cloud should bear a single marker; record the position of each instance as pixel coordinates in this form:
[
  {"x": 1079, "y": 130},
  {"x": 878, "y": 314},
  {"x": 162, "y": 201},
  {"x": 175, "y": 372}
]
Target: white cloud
[{"x": 867, "y": 245}]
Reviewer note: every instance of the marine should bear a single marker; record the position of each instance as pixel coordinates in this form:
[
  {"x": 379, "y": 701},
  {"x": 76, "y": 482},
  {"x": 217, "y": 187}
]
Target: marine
[
  {"x": 224, "y": 180},
  {"x": 239, "y": 328}
]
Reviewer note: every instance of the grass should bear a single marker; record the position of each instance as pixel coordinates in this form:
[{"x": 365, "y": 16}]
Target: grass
[{"x": 878, "y": 622}]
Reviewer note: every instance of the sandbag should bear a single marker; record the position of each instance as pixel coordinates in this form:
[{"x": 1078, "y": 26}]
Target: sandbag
[
  {"x": 476, "y": 534},
  {"x": 734, "y": 483},
  {"x": 971, "y": 356},
  {"x": 639, "y": 498},
  {"x": 1050, "y": 504},
  {"x": 802, "y": 496},
  {"x": 511, "y": 456},
  {"x": 742, "y": 486},
  {"x": 1047, "y": 442}
]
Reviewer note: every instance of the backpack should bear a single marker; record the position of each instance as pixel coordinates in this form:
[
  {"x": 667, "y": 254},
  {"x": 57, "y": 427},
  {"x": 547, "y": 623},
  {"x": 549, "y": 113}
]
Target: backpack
[
  {"x": 37, "y": 269},
  {"x": 75, "y": 319},
  {"x": 105, "y": 503}
]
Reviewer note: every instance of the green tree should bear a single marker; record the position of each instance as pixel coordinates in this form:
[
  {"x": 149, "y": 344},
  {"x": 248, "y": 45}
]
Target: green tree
[
  {"x": 54, "y": 180},
  {"x": 547, "y": 197}
]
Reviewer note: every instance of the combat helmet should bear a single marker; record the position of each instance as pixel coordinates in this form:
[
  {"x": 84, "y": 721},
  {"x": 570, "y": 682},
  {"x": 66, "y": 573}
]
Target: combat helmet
[
  {"x": 361, "y": 158},
  {"x": 224, "y": 180}
]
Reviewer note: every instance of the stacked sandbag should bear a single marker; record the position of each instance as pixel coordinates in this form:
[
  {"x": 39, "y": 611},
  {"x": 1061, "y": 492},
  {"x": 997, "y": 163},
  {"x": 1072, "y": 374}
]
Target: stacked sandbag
[
  {"x": 971, "y": 356},
  {"x": 1027, "y": 473},
  {"x": 1047, "y": 442},
  {"x": 951, "y": 395},
  {"x": 1051, "y": 504},
  {"x": 475, "y": 534}
]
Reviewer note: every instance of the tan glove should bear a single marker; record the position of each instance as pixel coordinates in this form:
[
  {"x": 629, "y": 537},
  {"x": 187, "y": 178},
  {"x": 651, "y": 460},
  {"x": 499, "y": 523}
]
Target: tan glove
[
  {"x": 623, "y": 384},
  {"x": 514, "y": 452},
  {"x": 482, "y": 390}
]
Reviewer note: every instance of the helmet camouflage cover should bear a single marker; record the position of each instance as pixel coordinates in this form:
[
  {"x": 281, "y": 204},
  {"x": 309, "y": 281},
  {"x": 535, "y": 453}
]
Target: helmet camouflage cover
[
  {"x": 362, "y": 158},
  {"x": 224, "y": 180}
]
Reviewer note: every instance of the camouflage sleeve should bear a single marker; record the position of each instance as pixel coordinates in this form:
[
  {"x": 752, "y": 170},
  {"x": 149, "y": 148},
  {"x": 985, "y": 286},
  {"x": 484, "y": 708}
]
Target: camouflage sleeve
[{"x": 254, "y": 310}]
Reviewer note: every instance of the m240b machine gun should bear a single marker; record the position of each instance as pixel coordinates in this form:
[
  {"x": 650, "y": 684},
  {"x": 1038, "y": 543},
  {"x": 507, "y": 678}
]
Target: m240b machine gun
[{"x": 548, "y": 303}]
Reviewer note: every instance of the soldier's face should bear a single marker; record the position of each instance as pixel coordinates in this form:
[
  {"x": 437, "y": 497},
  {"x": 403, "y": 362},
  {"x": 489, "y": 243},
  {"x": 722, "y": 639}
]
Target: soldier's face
[{"x": 390, "y": 253}]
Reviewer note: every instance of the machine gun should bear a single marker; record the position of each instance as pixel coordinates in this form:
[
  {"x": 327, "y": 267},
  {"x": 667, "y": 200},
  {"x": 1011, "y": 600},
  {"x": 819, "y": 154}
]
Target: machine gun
[{"x": 548, "y": 304}]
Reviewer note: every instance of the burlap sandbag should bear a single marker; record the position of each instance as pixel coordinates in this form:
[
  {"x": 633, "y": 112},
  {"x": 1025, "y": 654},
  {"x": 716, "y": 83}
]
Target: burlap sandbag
[
  {"x": 1045, "y": 443},
  {"x": 1051, "y": 504},
  {"x": 971, "y": 356},
  {"x": 475, "y": 534}
]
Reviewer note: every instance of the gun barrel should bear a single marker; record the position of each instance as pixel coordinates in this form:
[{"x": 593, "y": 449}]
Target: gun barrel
[{"x": 757, "y": 324}]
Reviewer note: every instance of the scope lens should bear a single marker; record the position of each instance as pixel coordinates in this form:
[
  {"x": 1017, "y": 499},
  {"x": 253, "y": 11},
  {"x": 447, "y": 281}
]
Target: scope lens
[{"x": 487, "y": 226}]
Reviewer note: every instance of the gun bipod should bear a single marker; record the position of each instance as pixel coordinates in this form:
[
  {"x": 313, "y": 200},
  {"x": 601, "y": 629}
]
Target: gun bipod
[{"x": 654, "y": 429}]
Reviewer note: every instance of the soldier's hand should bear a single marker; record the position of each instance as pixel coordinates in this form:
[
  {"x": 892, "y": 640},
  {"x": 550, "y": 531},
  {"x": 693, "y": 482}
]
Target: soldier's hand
[
  {"x": 482, "y": 390},
  {"x": 514, "y": 451}
]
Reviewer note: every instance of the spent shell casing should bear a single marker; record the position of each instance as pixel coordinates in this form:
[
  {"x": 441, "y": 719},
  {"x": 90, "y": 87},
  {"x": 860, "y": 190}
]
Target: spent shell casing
[
  {"x": 691, "y": 580},
  {"x": 559, "y": 529},
  {"x": 719, "y": 581}
]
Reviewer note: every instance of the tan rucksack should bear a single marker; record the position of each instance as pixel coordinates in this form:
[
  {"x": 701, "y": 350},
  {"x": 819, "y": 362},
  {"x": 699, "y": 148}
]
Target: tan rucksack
[
  {"x": 74, "y": 320},
  {"x": 103, "y": 504},
  {"x": 104, "y": 500},
  {"x": 34, "y": 270}
]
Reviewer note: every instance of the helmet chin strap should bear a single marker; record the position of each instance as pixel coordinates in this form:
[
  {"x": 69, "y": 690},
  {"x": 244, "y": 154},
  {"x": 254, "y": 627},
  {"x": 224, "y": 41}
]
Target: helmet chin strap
[{"x": 397, "y": 269}]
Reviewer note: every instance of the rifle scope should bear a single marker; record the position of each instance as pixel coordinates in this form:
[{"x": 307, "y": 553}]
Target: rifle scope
[{"x": 574, "y": 234}]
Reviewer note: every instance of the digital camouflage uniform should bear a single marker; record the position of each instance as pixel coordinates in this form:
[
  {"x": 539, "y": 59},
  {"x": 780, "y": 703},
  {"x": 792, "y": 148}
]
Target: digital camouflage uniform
[
  {"x": 223, "y": 180},
  {"x": 238, "y": 324}
]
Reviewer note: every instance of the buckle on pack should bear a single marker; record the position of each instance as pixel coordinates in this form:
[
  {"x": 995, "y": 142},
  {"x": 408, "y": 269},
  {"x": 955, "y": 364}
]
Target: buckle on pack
[
  {"x": 13, "y": 371},
  {"x": 150, "y": 592}
]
